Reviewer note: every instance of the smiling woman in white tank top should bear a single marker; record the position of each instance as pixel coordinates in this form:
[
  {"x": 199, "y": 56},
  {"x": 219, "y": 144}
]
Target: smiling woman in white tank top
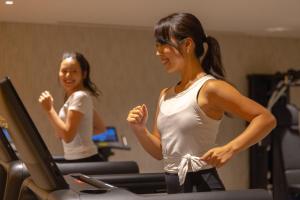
[
  {"x": 189, "y": 114},
  {"x": 194, "y": 134}
]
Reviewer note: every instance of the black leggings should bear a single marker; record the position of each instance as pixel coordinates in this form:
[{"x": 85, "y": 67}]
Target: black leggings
[
  {"x": 201, "y": 181},
  {"x": 94, "y": 158}
]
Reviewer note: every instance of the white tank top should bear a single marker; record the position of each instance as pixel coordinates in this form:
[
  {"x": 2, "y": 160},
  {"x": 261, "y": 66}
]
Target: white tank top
[{"x": 186, "y": 131}]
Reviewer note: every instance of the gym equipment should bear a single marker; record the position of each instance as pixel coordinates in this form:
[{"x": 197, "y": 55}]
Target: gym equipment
[
  {"x": 13, "y": 171},
  {"x": 266, "y": 163},
  {"x": 286, "y": 147},
  {"x": 46, "y": 181}
]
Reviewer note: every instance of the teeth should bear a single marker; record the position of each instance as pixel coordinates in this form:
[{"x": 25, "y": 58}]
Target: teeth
[{"x": 164, "y": 61}]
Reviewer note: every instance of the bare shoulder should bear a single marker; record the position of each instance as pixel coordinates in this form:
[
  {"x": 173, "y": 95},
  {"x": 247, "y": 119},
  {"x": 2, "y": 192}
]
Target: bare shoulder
[
  {"x": 222, "y": 96},
  {"x": 163, "y": 92},
  {"x": 217, "y": 87}
]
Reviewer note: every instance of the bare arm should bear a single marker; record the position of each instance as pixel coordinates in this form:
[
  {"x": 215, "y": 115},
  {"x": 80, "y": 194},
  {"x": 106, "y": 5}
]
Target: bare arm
[
  {"x": 98, "y": 124},
  {"x": 226, "y": 98},
  {"x": 64, "y": 130},
  {"x": 151, "y": 142}
]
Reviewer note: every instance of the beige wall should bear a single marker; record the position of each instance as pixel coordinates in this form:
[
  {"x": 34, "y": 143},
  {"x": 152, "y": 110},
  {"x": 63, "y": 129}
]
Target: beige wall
[{"x": 128, "y": 73}]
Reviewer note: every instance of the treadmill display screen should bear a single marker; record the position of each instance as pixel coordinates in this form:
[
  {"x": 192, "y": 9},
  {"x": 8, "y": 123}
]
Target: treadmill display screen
[
  {"x": 5, "y": 144},
  {"x": 5, "y": 131},
  {"x": 28, "y": 141},
  {"x": 110, "y": 135}
]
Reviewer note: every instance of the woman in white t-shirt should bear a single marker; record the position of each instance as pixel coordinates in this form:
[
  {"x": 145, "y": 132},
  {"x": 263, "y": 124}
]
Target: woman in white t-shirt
[{"x": 77, "y": 120}]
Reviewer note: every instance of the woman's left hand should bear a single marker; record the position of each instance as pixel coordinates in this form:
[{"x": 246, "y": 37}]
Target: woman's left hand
[{"x": 218, "y": 156}]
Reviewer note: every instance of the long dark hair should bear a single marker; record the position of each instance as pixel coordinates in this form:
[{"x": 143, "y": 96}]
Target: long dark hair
[
  {"x": 183, "y": 25},
  {"x": 85, "y": 68}
]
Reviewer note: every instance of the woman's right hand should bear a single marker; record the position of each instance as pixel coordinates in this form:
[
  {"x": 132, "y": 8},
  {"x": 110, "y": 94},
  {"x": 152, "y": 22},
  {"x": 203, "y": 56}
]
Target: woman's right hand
[
  {"x": 137, "y": 117},
  {"x": 46, "y": 101}
]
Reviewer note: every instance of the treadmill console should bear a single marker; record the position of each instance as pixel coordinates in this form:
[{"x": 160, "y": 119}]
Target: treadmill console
[{"x": 85, "y": 184}]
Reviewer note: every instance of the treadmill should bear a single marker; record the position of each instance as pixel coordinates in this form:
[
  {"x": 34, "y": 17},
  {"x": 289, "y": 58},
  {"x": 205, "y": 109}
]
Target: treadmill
[
  {"x": 13, "y": 171},
  {"x": 47, "y": 182}
]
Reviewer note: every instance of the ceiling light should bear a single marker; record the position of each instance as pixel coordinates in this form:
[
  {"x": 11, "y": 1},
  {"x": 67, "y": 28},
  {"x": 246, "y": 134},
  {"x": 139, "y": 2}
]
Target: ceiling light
[
  {"x": 9, "y": 2},
  {"x": 277, "y": 29}
]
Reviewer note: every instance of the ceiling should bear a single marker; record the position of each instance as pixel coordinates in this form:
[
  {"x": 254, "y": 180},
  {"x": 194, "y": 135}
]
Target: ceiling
[{"x": 278, "y": 18}]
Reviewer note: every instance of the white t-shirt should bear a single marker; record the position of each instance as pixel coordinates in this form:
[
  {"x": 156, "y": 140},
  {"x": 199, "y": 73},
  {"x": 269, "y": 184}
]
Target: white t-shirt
[{"x": 82, "y": 145}]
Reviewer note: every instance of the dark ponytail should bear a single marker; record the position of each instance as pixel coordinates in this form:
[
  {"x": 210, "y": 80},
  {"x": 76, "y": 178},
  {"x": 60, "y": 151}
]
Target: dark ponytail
[
  {"x": 85, "y": 68},
  {"x": 212, "y": 62},
  {"x": 183, "y": 25}
]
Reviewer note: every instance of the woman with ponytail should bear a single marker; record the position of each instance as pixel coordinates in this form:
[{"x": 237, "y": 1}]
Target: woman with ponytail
[
  {"x": 77, "y": 120},
  {"x": 189, "y": 113}
]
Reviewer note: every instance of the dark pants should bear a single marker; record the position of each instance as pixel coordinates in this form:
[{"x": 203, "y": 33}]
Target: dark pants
[
  {"x": 94, "y": 158},
  {"x": 201, "y": 181}
]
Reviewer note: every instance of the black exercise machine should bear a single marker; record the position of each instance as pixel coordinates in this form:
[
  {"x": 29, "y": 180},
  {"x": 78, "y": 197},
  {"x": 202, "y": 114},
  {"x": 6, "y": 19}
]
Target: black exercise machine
[
  {"x": 13, "y": 171},
  {"x": 267, "y": 168}
]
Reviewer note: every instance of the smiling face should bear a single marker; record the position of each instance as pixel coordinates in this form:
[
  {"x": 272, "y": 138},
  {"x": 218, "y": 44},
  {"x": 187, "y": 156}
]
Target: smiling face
[
  {"x": 180, "y": 38},
  {"x": 170, "y": 57},
  {"x": 70, "y": 75}
]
